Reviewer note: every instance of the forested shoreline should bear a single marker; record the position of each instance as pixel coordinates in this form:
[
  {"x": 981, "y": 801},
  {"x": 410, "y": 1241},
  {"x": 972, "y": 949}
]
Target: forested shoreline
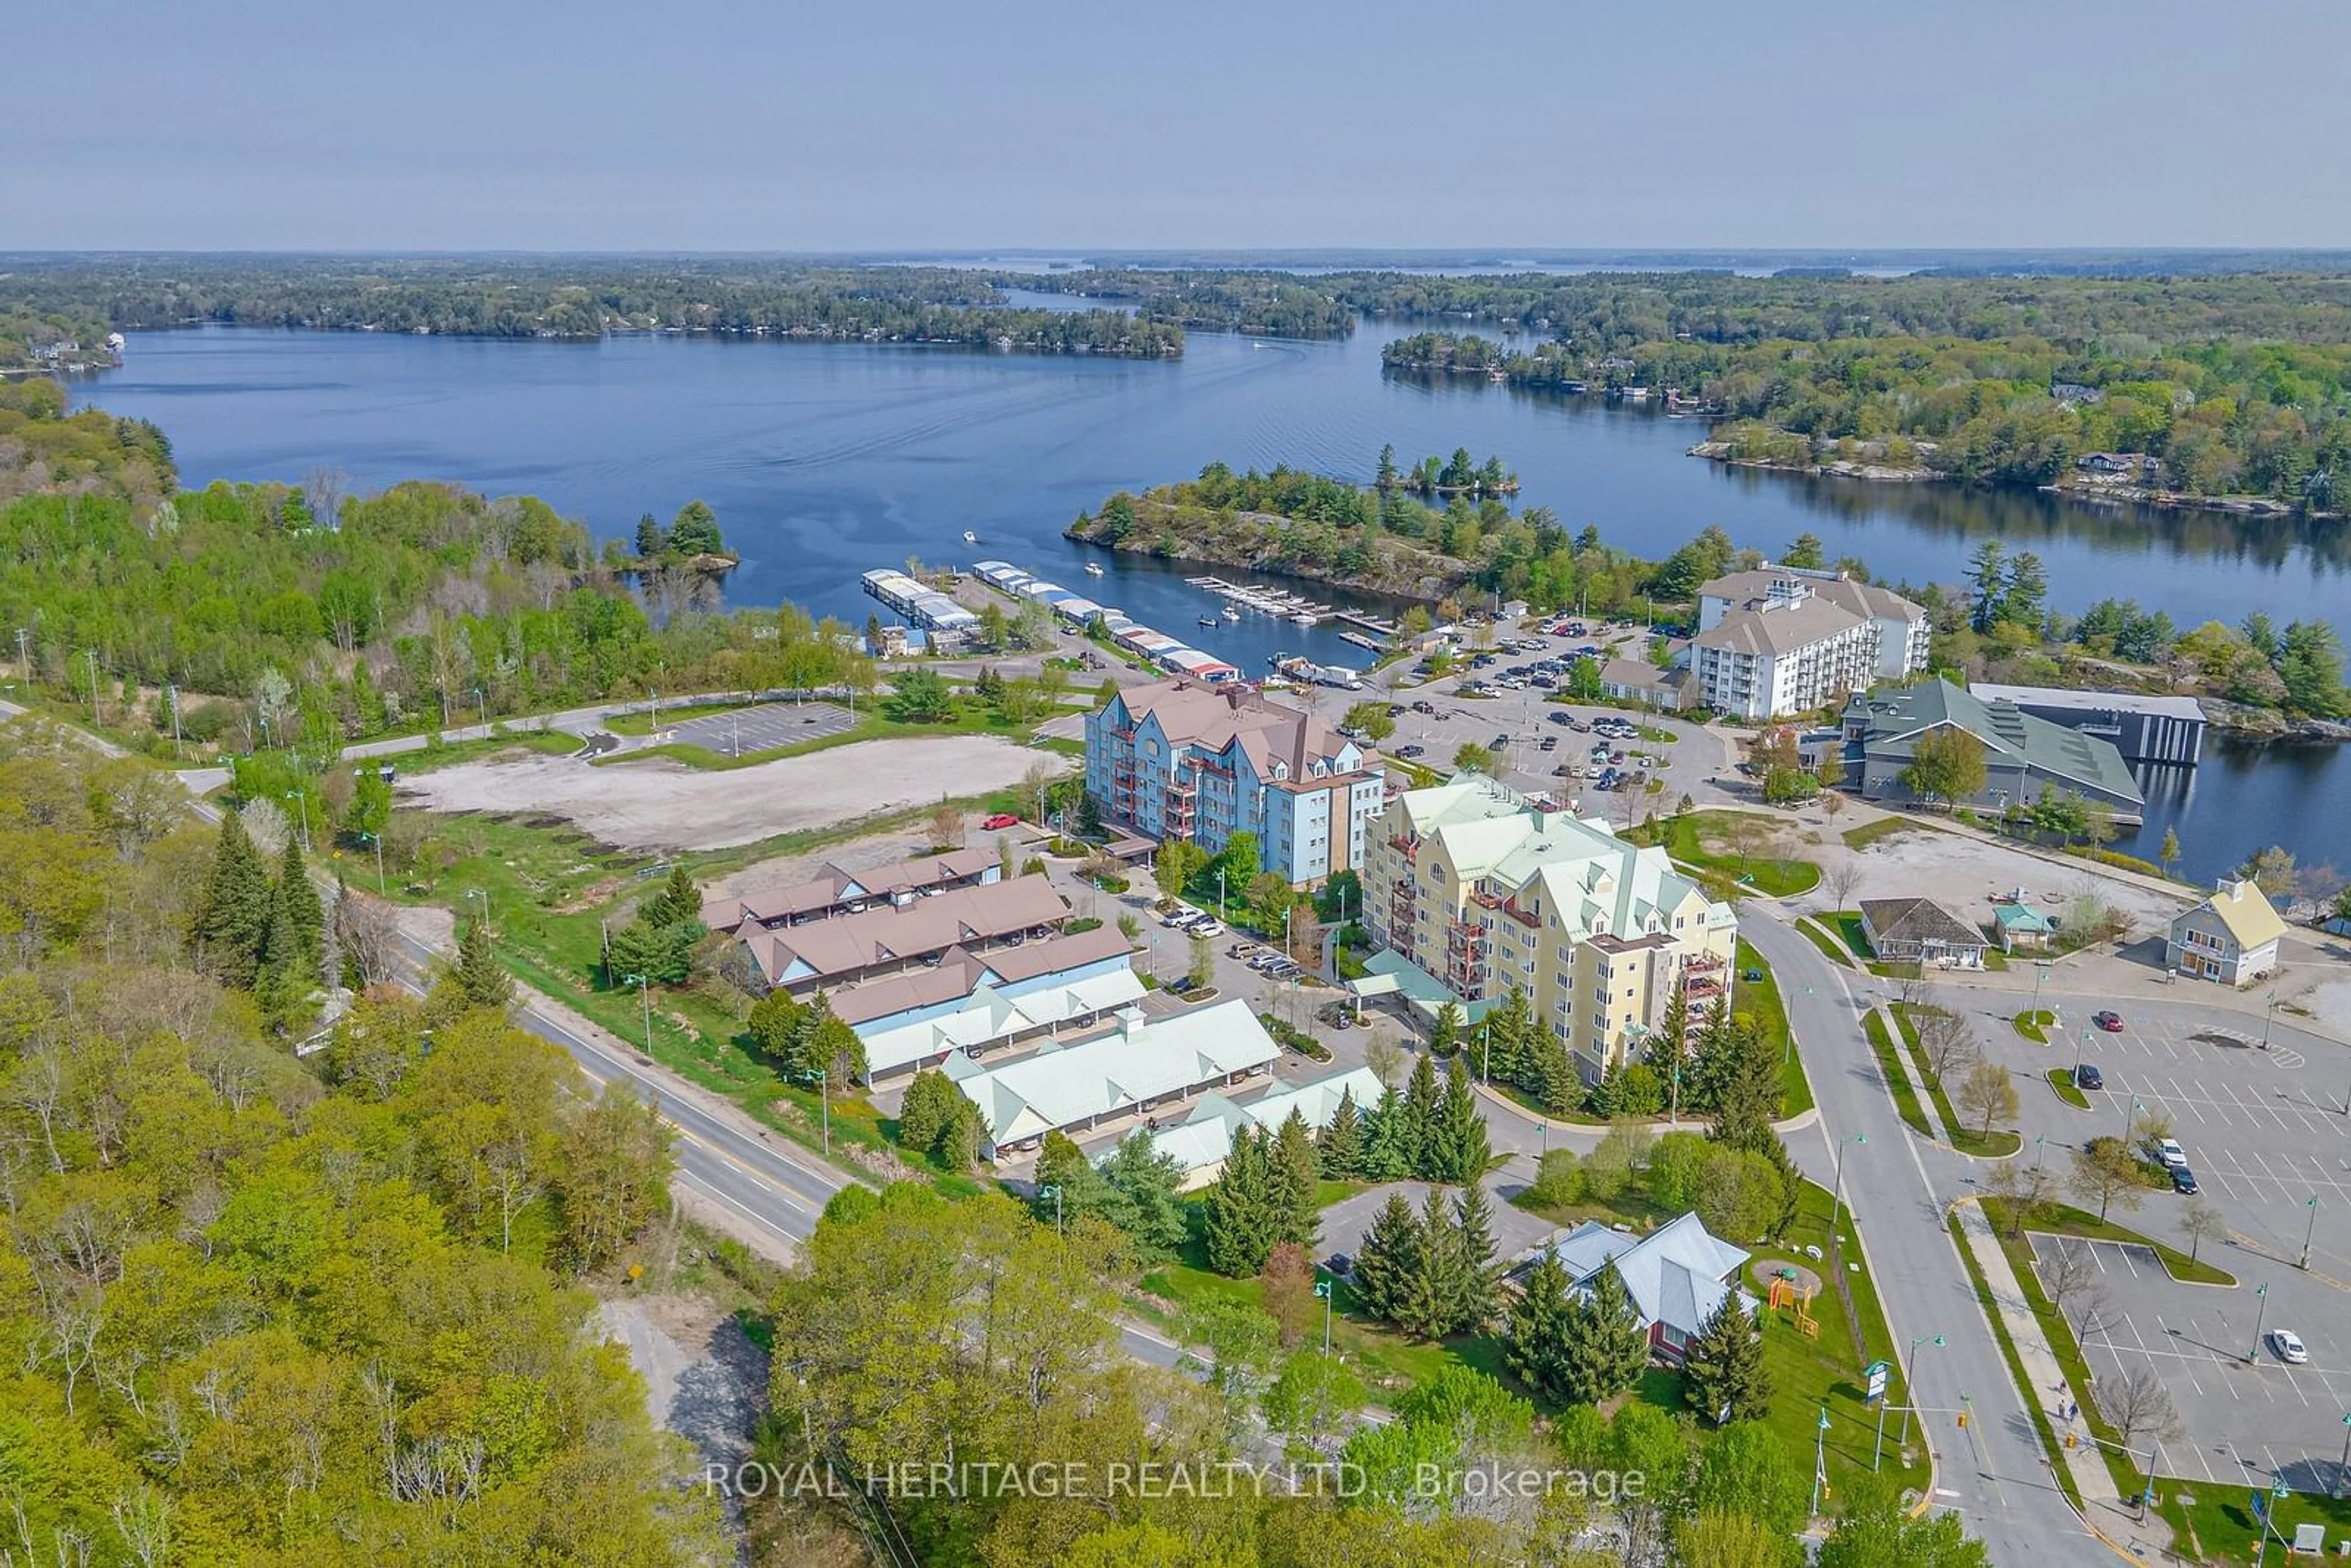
[{"x": 575, "y": 298}]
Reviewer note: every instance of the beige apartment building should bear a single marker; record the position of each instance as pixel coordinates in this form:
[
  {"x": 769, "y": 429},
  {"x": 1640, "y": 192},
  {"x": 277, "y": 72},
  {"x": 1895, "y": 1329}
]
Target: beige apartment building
[{"x": 1474, "y": 888}]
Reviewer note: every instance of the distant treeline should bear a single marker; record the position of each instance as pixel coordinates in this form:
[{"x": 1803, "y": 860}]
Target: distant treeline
[
  {"x": 572, "y": 298},
  {"x": 2235, "y": 385},
  {"x": 1263, "y": 304}
]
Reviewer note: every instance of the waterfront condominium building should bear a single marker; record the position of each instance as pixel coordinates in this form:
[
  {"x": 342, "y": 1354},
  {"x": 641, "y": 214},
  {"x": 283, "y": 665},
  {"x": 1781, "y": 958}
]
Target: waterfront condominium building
[
  {"x": 1179, "y": 759},
  {"x": 1780, "y": 640},
  {"x": 1479, "y": 889}
]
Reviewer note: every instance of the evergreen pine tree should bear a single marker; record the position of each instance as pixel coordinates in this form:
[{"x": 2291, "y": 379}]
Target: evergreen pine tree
[
  {"x": 1430, "y": 1302},
  {"x": 305, "y": 917},
  {"x": 1148, "y": 1181},
  {"x": 1607, "y": 1350},
  {"x": 1444, "y": 1032},
  {"x": 479, "y": 975},
  {"x": 1478, "y": 1290},
  {"x": 1724, "y": 1369},
  {"x": 1390, "y": 1256},
  {"x": 1510, "y": 1044},
  {"x": 1386, "y": 1131},
  {"x": 1457, "y": 1149},
  {"x": 232, "y": 918},
  {"x": 1421, "y": 1098},
  {"x": 1238, "y": 1219},
  {"x": 677, "y": 902},
  {"x": 1290, "y": 1189},
  {"x": 1670, "y": 1044},
  {"x": 1339, "y": 1147},
  {"x": 1535, "y": 1347},
  {"x": 1556, "y": 1079}
]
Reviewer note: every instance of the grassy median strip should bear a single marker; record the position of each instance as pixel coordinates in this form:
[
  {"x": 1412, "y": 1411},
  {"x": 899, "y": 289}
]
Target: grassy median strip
[
  {"x": 1997, "y": 1145},
  {"x": 1761, "y": 999},
  {"x": 1831, "y": 948},
  {"x": 2060, "y": 1079},
  {"x": 1905, "y": 1099},
  {"x": 2035, "y": 1026},
  {"x": 2024, "y": 1386}
]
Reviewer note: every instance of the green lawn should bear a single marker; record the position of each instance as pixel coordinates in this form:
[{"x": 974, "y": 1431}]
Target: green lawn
[
  {"x": 450, "y": 753},
  {"x": 1830, "y": 947},
  {"x": 2060, "y": 1079},
  {"x": 1686, "y": 839},
  {"x": 1846, "y": 922},
  {"x": 1761, "y": 1000},
  {"x": 2064, "y": 1219},
  {"x": 1868, "y": 834},
  {"x": 2215, "y": 1523},
  {"x": 2035, "y": 1026},
  {"x": 1995, "y": 1144},
  {"x": 1809, "y": 1373},
  {"x": 2035, "y": 1405},
  {"x": 1905, "y": 1099}
]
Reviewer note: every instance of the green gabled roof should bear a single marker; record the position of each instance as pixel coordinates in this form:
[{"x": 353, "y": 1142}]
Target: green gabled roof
[{"x": 1897, "y": 715}]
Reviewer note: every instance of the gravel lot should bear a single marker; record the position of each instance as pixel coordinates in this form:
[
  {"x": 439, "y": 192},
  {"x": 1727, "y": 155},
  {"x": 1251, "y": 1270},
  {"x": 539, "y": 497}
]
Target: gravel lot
[
  {"x": 1964, "y": 872},
  {"x": 661, "y": 804}
]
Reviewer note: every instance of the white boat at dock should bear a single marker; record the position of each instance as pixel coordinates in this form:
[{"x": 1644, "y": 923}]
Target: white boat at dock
[
  {"x": 1231, "y": 613},
  {"x": 1093, "y": 568}
]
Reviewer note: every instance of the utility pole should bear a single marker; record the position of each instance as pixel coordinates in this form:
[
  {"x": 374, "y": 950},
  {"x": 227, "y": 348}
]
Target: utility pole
[
  {"x": 824, "y": 1104},
  {"x": 1322, "y": 1288},
  {"x": 1836, "y": 1204},
  {"x": 1820, "y": 1461},
  {"x": 2261, "y": 1315},
  {"x": 92, "y": 655},
  {"x": 171, "y": 693},
  {"x": 2309, "y": 1232}
]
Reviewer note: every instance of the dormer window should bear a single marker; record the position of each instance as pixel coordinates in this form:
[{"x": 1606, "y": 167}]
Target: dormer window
[{"x": 1281, "y": 771}]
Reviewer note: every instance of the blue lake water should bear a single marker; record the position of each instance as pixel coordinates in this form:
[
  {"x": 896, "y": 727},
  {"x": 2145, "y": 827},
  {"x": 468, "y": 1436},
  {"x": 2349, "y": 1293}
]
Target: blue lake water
[{"x": 824, "y": 460}]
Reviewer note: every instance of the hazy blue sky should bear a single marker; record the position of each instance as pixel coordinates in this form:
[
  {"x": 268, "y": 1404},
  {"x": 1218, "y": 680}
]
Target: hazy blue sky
[{"x": 737, "y": 124}]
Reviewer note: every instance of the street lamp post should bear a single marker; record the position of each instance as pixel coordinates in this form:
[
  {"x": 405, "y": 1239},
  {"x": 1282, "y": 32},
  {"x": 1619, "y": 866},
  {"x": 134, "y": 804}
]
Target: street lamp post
[
  {"x": 483, "y": 703},
  {"x": 2309, "y": 1231},
  {"x": 2268, "y": 1017},
  {"x": 1820, "y": 1459},
  {"x": 2343, "y": 1469},
  {"x": 2130, "y": 1120},
  {"x": 1910, "y": 1380},
  {"x": 639, "y": 981},
  {"x": 824, "y": 1104},
  {"x": 1322, "y": 1288},
  {"x": 377, "y": 840},
  {"x": 2261, "y": 1315},
  {"x": 1052, "y": 1190},
  {"x": 302, "y": 806},
  {"x": 1836, "y": 1204},
  {"x": 472, "y": 893}
]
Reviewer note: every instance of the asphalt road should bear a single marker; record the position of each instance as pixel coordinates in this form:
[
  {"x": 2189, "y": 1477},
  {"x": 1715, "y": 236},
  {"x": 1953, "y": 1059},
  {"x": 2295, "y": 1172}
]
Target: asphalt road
[{"x": 1993, "y": 1472}]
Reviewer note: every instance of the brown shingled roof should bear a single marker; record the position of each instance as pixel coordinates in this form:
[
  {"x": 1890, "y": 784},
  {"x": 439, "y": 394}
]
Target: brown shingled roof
[
  {"x": 898, "y": 933},
  {"x": 834, "y": 885}
]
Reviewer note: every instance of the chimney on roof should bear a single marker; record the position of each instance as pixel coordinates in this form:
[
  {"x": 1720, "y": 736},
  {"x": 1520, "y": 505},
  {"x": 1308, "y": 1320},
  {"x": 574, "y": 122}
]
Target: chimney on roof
[
  {"x": 1130, "y": 1022},
  {"x": 1234, "y": 697}
]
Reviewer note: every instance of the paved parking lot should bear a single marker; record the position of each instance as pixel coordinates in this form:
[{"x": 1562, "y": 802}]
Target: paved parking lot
[
  {"x": 1515, "y": 1230},
  {"x": 2244, "y": 1421},
  {"x": 762, "y": 728}
]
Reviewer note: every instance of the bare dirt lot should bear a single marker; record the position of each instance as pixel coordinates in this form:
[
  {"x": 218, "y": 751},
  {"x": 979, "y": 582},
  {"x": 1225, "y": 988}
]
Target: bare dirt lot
[
  {"x": 663, "y": 805},
  {"x": 1967, "y": 873}
]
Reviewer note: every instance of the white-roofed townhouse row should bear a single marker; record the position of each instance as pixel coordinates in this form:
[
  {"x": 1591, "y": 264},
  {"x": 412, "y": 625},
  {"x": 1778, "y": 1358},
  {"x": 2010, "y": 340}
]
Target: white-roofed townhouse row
[{"x": 1200, "y": 1144}]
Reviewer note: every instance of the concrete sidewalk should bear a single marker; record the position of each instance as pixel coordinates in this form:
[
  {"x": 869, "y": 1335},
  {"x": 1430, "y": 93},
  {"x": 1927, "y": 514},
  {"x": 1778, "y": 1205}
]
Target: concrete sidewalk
[{"x": 2107, "y": 1511}]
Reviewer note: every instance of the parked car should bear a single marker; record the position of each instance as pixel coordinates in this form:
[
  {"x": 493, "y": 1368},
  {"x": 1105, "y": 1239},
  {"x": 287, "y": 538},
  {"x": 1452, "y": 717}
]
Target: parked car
[
  {"x": 1180, "y": 985},
  {"x": 2287, "y": 1346},
  {"x": 2183, "y": 1180},
  {"x": 1500, "y": 743},
  {"x": 1551, "y": 743},
  {"x": 2111, "y": 1022},
  {"x": 1424, "y": 706},
  {"x": 1207, "y": 925},
  {"x": 2087, "y": 1076},
  {"x": 1411, "y": 750},
  {"x": 2168, "y": 1152}
]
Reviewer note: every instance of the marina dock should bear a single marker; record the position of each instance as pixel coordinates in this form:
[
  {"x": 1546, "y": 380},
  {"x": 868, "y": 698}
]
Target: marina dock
[{"x": 1295, "y": 608}]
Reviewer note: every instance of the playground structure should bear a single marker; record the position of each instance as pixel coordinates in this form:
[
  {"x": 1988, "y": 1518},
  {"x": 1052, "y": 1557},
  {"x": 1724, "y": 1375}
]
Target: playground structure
[{"x": 1786, "y": 1290}]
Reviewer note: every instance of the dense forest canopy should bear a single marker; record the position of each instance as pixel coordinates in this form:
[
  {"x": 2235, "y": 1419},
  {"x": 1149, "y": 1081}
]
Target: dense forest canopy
[
  {"x": 568, "y": 298},
  {"x": 254, "y": 1309}
]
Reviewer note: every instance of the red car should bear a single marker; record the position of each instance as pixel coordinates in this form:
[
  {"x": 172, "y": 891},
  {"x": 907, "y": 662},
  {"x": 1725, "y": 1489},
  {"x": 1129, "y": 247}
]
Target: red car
[
  {"x": 2111, "y": 1022},
  {"x": 1001, "y": 820}
]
